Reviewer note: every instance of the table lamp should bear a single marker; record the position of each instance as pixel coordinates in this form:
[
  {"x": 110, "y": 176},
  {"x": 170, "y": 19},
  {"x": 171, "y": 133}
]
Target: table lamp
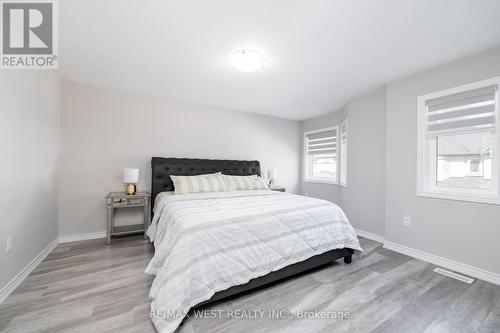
[{"x": 130, "y": 177}]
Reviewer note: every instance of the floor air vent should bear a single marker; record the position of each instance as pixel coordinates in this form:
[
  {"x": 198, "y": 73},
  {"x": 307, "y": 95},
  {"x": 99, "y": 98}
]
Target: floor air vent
[{"x": 454, "y": 275}]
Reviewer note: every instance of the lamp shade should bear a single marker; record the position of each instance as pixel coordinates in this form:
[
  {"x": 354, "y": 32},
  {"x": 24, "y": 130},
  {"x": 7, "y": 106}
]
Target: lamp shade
[
  {"x": 272, "y": 174},
  {"x": 130, "y": 175}
]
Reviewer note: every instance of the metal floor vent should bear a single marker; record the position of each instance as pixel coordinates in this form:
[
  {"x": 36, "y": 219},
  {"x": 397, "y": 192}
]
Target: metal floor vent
[{"x": 454, "y": 275}]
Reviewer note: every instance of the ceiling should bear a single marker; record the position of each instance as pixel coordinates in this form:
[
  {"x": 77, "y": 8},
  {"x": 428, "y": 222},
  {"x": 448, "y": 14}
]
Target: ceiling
[{"x": 321, "y": 53}]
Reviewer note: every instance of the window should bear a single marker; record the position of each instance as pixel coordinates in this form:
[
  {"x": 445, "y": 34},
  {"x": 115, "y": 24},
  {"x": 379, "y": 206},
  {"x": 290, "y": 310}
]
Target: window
[
  {"x": 462, "y": 159},
  {"x": 343, "y": 153},
  {"x": 458, "y": 143},
  {"x": 476, "y": 166},
  {"x": 320, "y": 155}
]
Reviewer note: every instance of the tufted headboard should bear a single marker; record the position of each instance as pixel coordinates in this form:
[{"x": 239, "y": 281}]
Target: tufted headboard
[{"x": 163, "y": 167}]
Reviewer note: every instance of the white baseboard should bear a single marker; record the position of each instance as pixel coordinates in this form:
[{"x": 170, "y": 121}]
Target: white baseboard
[
  {"x": 23, "y": 274},
  {"x": 370, "y": 235},
  {"x": 446, "y": 263},
  {"x": 19, "y": 278},
  {"x": 80, "y": 237}
]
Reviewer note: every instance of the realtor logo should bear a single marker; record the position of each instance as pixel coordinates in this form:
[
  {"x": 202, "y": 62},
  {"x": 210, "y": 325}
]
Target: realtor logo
[{"x": 29, "y": 34}]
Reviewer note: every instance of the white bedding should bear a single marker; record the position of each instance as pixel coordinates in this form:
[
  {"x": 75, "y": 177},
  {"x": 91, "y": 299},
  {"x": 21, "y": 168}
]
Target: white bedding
[{"x": 207, "y": 242}]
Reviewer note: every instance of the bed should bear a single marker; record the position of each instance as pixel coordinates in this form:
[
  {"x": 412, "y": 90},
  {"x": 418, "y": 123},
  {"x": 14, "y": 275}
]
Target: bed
[{"x": 210, "y": 246}]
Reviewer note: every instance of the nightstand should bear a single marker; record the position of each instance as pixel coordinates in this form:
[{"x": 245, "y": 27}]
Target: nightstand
[
  {"x": 278, "y": 188},
  {"x": 117, "y": 200}
]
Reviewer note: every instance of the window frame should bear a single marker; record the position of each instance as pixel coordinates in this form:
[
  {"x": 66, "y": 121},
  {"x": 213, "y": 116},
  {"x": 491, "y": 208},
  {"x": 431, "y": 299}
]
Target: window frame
[
  {"x": 343, "y": 171},
  {"x": 305, "y": 175},
  {"x": 427, "y": 152}
]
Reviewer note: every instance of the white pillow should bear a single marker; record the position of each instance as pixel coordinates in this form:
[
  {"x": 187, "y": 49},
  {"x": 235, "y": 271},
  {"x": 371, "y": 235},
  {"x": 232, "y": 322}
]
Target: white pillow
[
  {"x": 200, "y": 183},
  {"x": 237, "y": 183}
]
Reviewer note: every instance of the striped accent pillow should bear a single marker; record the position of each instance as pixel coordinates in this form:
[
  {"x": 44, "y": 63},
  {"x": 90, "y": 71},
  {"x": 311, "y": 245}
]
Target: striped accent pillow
[
  {"x": 253, "y": 182},
  {"x": 200, "y": 183}
]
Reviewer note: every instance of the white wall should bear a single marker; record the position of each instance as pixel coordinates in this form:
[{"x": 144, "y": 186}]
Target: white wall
[
  {"x": 104, "y": 130},
  {"x": 29, "y": 146},
  {"x": 363, "y": 200},
  {"x": 461, "y": 231}
]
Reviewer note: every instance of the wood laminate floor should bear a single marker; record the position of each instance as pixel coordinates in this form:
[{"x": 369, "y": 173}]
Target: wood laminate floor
[{"x": 90, "y": 287}]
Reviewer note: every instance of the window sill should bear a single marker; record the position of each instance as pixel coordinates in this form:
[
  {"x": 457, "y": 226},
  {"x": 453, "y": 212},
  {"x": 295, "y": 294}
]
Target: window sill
[
  {"x": 448, "y": 196},
  {"x": 321, "y": 181}
]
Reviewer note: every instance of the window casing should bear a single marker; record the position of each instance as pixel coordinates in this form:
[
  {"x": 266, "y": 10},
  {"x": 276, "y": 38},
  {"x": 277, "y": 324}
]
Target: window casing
[
  {"x": 458, "y": 143},
  {"x": 320, "y": 156},
  {"x": 343, "y": 153}
]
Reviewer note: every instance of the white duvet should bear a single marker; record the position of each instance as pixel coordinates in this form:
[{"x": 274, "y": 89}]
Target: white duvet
[{"x": 207, "y": 242}]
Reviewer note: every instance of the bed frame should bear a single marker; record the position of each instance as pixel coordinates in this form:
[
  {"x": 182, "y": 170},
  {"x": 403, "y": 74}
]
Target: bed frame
[{"x": 162, "y": 168}]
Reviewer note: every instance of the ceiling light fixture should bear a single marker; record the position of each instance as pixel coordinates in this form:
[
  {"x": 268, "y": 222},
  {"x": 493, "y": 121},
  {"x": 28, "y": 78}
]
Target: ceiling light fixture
[{"x": 247, "y": 60}]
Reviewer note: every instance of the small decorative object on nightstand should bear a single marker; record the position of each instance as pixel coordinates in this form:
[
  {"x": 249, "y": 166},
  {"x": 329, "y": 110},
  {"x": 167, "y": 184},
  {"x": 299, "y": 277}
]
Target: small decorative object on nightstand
[
  {"x": 130, "y": 177},
  {"x": 272, "y": 176},
  {"x": 278, "y": 188},
  {"x": 117, "y": 200}
]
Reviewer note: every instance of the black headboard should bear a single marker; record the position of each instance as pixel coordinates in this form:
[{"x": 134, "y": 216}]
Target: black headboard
[{"x": 163, "y": 167}]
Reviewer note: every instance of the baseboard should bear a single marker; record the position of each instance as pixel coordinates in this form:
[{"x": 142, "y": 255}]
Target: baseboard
[
  {"x": 23, "y": 274},
  {"x": 80, "y": 237},
  {"x": 19, "y": 278},
  {"x": 370, "y": 235},
  {"x": 446, "y": 263}
]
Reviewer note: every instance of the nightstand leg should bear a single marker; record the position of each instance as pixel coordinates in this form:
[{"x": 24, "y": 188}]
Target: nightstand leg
[
  {"x": 110, "y": 224},
  {"x": 146, "y": 219}
]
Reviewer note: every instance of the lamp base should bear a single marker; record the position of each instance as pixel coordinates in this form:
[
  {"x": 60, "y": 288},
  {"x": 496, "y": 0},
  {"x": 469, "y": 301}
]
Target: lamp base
[{"x": 130, "y": 189}]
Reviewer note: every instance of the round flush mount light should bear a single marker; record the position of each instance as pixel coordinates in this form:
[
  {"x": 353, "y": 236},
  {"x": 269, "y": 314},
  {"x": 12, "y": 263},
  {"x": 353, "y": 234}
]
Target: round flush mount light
[{"x": 247, "y": 60}]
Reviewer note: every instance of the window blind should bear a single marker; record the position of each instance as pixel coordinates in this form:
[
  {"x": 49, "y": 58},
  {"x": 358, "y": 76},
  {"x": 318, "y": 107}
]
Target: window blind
[
  {"x": 343, "y": 153},
  {"x": 462, "y": 112},
  {"x": 322, "y": 143}
]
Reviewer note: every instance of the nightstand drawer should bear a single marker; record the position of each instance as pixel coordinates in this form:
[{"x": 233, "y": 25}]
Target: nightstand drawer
[{"x": 127, "y": 202}]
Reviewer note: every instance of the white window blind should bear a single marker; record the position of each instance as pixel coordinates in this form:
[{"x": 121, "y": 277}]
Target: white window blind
[
  {"x": 467, "y": 111},
  {"x": 343, "y": 153},
  {"x": 322, "y": 143}
]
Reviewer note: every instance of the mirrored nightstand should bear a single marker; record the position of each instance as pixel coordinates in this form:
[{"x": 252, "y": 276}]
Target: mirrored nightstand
[
  {"x": 118, "y": 200},
  {"x": 278, "y": 188}
]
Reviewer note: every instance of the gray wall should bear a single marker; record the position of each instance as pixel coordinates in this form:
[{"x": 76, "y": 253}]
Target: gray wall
[
  {"x": 104, "y": 130},
  {"x": 462, "y": 231},
  {"x": 363, "y": 200},
  {"x": 29, "y": 129}
]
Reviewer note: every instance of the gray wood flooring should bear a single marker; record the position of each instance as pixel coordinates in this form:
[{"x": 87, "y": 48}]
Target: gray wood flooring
[{"x": 90, "y": 287}]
